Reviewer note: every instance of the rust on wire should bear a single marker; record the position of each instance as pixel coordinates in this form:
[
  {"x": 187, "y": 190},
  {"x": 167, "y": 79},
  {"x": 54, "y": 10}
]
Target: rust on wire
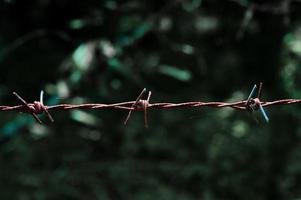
[
  {"x": 34, "y": 109},
  {"x": 250, "y": 104},
  {"x": 255, "y": 104},
  {"x": 140, "y": 104}
]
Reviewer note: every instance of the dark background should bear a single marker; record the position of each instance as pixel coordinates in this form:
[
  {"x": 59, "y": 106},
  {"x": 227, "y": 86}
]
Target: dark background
[{"x": 182, "y": 50}]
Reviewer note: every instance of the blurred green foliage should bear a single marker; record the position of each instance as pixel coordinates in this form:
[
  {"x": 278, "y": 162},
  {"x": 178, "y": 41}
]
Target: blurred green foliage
[{"x": 182, "y": 50}]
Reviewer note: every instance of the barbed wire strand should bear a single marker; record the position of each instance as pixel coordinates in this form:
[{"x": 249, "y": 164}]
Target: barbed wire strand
[{"x": 250, "y": 104}]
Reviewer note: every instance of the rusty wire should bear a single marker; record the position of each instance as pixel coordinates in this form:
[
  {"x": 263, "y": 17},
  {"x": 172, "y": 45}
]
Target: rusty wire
[{"x": 250, "y": 104}]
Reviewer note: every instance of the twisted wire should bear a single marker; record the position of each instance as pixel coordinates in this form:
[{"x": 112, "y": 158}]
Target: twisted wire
[
  {"x": 250, "y": 104},
  {"x": 239, "y": 105}
]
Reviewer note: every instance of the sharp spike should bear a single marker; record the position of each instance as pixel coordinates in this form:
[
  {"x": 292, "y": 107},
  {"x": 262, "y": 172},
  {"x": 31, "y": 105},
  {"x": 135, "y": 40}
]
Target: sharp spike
[
  {"x": 252, "y": 92},
  {"x": 265, "y": 116},
  {"x": 41, "y": 97}
]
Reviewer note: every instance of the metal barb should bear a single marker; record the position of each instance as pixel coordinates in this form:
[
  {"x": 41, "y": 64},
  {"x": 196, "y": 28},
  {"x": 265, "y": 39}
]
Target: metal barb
[
  {"x": 44, "y": 107},
  {"x": 265, "y": 116},
  {"x": 48, "y": 114},
  {"x": 133, "y": 106},
  {"x": 259, "y": 90},
  {"x": 41, "y": 97},
  {"x": 252, "y": 93},
  {"x": 20, "y": 98},
  {"x": 29, "y": 109},
  {"x": 145, "y": 109},
  {"x": 256, "y": 102}
]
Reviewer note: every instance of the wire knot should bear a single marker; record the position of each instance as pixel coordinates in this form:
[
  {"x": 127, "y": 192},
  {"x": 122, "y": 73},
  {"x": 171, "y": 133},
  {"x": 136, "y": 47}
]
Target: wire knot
[
  {"x": 254, "y": 104},
  {"x": 36, "y": 108},
  {"x": 140, "y": 105}
]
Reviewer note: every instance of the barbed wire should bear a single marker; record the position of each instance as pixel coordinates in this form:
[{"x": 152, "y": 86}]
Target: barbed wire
[{"x": 251, "y": 104}]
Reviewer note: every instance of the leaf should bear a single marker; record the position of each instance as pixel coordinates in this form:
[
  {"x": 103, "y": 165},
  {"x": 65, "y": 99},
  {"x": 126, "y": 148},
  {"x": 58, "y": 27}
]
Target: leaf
[{"x": 174, "y": 72}]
